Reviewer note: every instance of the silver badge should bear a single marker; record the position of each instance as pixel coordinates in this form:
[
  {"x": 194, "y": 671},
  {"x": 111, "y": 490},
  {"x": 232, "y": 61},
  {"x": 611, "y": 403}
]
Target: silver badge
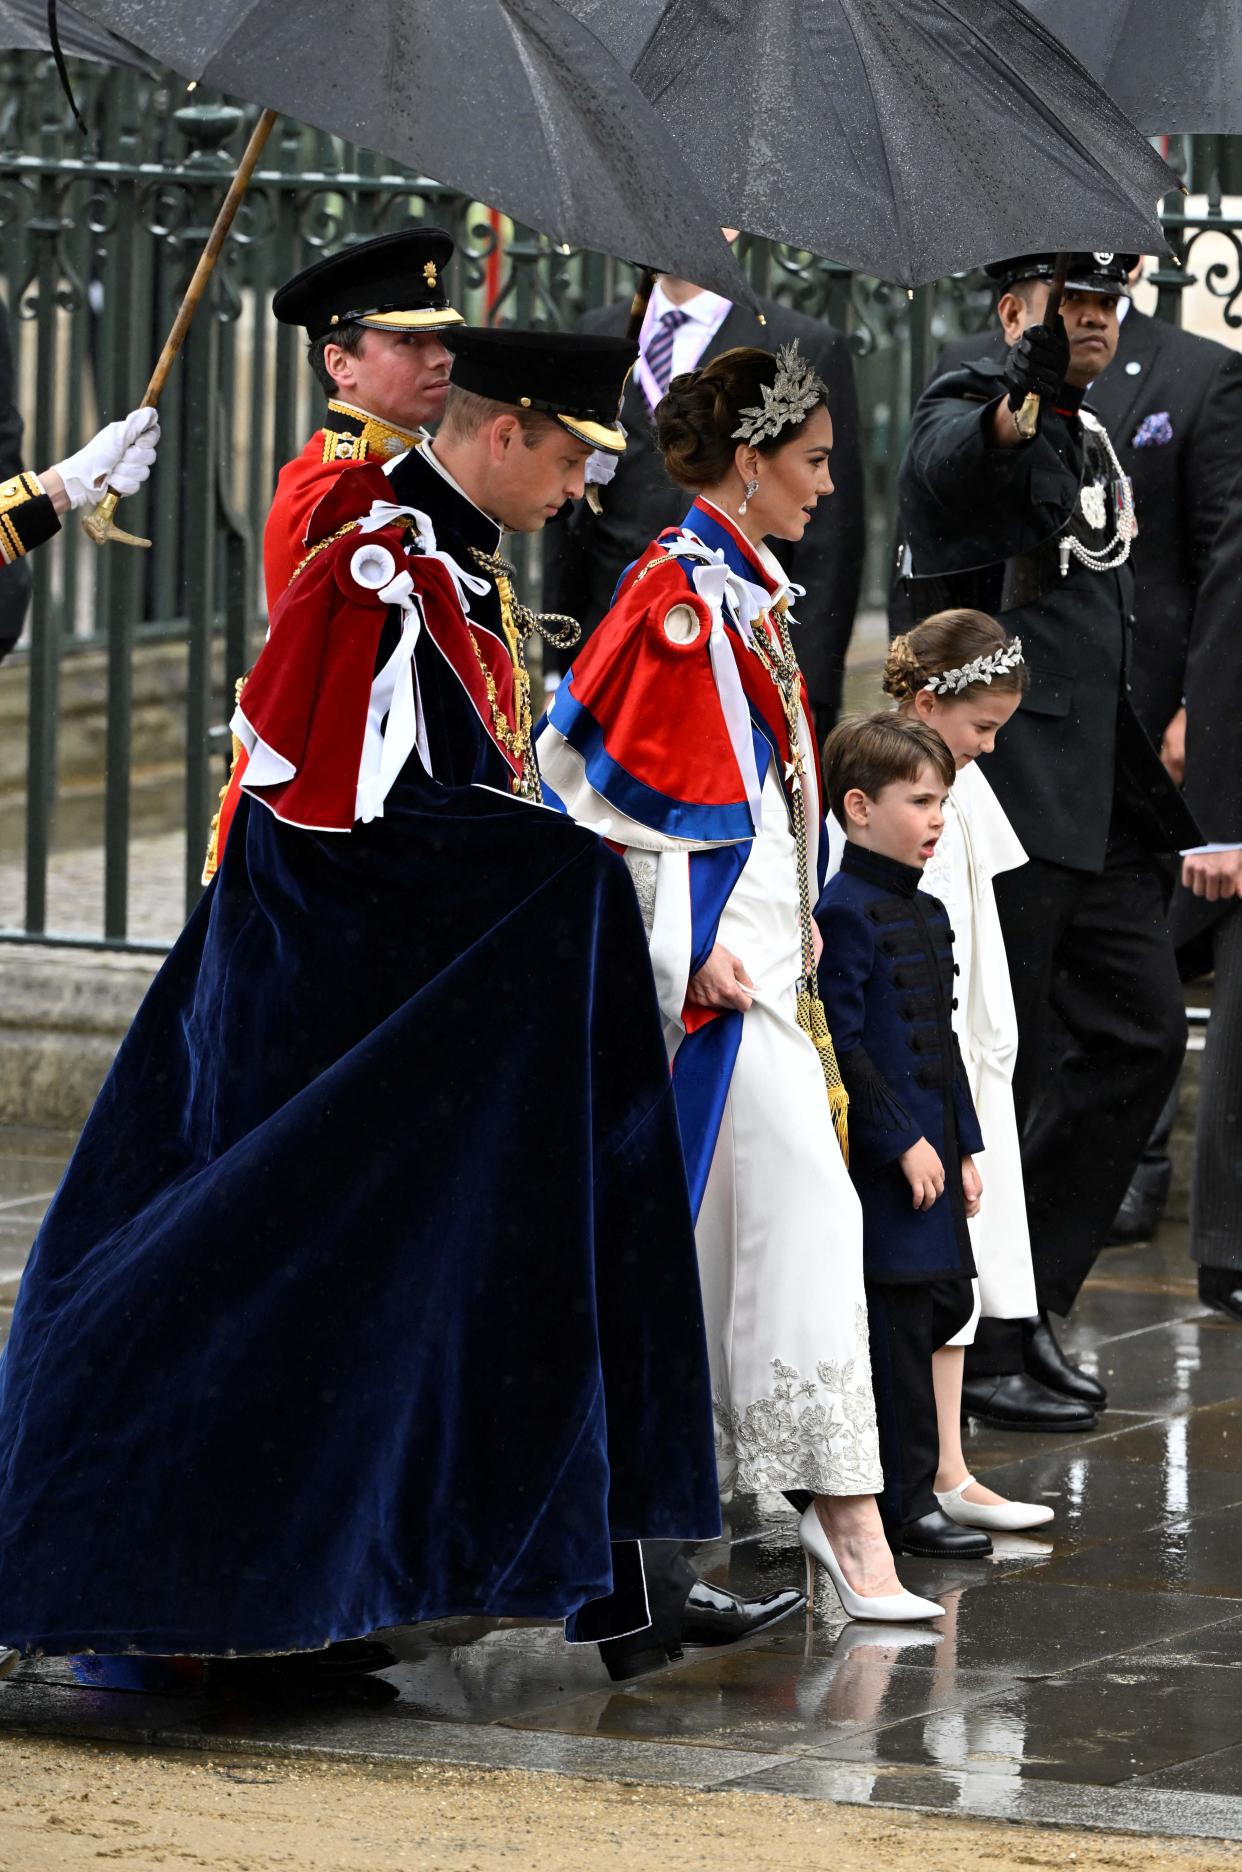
[
  {"x": 1092, "y": 498},
  {"x": 1104, "y": 259},
  {"x": 1133, "y": 368}
]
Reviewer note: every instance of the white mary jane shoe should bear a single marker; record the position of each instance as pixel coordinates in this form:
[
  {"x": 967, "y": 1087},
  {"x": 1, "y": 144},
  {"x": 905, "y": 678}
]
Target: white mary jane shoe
[{"x": 1010, "y": 1517}]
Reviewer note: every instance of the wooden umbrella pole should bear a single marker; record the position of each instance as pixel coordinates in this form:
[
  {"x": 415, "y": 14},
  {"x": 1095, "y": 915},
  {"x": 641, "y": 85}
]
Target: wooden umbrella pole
[
  {"x": 1026, "y": 419},
  {"x": 99, "y": 524}
]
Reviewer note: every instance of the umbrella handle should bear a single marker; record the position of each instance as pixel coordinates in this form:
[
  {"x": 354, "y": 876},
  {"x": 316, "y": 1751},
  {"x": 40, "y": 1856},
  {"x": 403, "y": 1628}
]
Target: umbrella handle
[
  {"x": 1026, "y": 419},
  {"x": 98, "y": 525}
]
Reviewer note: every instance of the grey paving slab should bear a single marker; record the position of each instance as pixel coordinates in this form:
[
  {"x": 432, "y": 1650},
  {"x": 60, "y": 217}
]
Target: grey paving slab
[
  {"x": 1100, "y": 1725},
  {"x": 753, "y": 1699},
  {"x": 390, "y": 1735},
  {"x": 1131, "y": 1808}
]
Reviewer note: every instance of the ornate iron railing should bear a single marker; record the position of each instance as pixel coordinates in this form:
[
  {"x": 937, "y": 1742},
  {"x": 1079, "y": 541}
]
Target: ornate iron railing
[{"x": 95, "y": 246}]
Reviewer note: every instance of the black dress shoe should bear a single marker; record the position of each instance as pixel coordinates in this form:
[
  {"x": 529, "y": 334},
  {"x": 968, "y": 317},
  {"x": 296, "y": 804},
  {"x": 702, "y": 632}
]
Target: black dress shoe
[
  {"x": 715, "y": 1616},
  {"x": 1221, "y": 1288},
  {"x": 936, "y": 1537},
  {"x": 1138, "y": 1217},
  {"x": 1048, "y": 1365},
  {"x": 1017, "y": 1402}
]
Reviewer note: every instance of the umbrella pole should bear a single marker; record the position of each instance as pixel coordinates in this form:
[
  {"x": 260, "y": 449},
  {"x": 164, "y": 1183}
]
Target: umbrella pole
[
  {"x": 1026, "y": 419},
  {"x": 99, "y": 525}
]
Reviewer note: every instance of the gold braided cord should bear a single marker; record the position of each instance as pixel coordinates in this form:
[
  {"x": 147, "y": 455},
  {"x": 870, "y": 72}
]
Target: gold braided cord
[
  {"x": 322, "y": 546},
  {"x": 519, "y": 623},
  {"x": 782, "y": 667}
]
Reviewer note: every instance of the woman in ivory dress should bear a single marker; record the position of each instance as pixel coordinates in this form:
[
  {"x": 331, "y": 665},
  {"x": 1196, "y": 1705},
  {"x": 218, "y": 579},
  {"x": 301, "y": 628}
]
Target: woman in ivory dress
[
  {"x": 683, "y": 735},
  {"x": 959, "y": 672}
]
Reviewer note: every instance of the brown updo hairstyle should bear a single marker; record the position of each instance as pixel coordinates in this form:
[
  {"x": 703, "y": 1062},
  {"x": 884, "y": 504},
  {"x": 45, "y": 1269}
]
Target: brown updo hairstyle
[
  {"x": 696, "y": 417},
  {"x": 945, "y": 641}
]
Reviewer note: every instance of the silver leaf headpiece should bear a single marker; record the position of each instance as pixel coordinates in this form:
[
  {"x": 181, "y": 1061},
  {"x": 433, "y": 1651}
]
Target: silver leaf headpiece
[
  {"x": 790, "y": 399},
  {"x": 982, "y": 669}
]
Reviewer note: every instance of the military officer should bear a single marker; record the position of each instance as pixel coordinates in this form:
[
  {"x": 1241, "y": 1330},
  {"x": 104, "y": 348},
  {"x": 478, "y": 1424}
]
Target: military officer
[
  {"x": 374, "y": 316},
  {"x": 1035, "y": 525}
]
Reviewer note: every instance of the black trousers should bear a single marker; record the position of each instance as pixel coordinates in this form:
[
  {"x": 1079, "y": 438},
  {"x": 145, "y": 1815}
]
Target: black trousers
[
  {"x": 1101, "y": 1035},
  {"x": 908, "y": 1323},
  {"x": 1216, "y": 1186}
]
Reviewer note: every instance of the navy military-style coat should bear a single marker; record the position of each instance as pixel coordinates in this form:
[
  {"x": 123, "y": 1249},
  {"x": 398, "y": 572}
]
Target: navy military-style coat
[{"x": 887, "y": 977}]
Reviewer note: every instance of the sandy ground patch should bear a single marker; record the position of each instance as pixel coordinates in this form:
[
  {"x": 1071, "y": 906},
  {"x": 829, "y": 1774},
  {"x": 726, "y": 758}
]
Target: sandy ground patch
[{"x": 66, "y": 1806}]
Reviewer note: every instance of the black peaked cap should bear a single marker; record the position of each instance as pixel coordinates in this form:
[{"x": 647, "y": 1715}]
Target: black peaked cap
[
  {"x": 395, "y": 282},
  {"x": 1089, "y": 272},
  {"x": 576, "y": 377}
]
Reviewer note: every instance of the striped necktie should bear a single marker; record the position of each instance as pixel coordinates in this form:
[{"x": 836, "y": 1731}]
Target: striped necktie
[{"x": 660, "y": 350}]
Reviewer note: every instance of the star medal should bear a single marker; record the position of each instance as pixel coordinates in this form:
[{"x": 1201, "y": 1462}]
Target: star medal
[{"x": 1093, "y": 502}]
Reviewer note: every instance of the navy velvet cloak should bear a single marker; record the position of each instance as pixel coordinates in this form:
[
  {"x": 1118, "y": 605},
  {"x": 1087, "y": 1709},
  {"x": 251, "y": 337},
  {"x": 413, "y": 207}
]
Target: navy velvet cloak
[{"x": 369, "y": 1295}]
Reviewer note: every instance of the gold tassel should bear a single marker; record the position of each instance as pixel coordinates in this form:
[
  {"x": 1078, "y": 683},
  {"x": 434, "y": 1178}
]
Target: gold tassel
[{"x": 814, "y": 1023}]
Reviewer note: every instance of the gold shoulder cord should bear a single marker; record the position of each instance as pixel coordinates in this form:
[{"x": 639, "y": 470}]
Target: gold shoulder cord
[{"x": 782, "y": 667}]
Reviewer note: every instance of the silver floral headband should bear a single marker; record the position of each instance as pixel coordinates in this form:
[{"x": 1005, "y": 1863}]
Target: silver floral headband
[
  {"x": 996, "y": 663},
  {"x": 792, "y": 397}
]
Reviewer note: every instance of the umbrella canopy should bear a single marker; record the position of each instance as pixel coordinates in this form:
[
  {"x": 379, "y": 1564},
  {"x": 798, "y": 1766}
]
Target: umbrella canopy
[
  {"x": 513, "y": 101},
  {"x": 902, "y": 138},
  {"x": 23, "y": 28},
  {"x": 1173, "y": 70}
]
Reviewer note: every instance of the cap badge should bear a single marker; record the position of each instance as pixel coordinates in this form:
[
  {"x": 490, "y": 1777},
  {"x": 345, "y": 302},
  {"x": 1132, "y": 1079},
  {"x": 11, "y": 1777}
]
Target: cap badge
[
  {"x": 1104, "y": 258},
  {"x": 429, "y": 273}
]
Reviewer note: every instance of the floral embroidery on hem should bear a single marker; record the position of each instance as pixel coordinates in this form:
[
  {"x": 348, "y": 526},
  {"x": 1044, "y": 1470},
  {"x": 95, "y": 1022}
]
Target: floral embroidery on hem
[{"x": 810, "y": 1433}]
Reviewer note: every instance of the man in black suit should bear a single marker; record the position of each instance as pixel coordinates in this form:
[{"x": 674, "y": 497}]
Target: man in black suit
[
  {"x": 1172, "y": 403},
  {"x": 1036, "y": 526},
  {"x": 1206, "y": 915},
  {"x": 586, "y": 553}
]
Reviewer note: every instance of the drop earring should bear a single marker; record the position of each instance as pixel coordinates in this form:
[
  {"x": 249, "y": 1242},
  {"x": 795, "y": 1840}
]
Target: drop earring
[{"x": 752, "y": 487}]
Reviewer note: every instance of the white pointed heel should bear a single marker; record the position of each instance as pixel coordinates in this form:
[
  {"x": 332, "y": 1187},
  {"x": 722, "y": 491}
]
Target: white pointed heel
[
  {"x": 889, "y": 1608},
  {"x": 1009, "y": 1518}
]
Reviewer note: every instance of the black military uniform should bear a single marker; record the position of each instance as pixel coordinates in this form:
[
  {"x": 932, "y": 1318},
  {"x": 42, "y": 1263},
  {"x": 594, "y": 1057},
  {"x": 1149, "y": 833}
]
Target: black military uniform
[
  {"x": 1172, "y": 403},
  {"x": 1037, "y": 534},
  {"x": 586, "y": 553}
]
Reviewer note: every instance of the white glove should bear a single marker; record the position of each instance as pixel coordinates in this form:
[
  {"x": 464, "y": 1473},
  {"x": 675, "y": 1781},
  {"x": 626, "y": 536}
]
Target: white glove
[{"x": 120, "y": 457}]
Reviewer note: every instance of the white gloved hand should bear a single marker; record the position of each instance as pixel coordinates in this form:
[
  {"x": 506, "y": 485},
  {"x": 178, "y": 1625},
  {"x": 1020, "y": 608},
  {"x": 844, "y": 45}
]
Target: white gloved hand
[{"x": 120, "y": 457}]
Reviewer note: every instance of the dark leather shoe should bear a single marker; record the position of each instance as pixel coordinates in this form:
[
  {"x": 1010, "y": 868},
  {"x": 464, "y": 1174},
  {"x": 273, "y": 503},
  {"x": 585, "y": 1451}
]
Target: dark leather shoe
[
  {"x": 715, "y": 1616},
  {"x": 936, "y": 1537},
  {"x": 1137, "y": 1219},
  {"x": 1221, "y": 1288},
  {"x": 1017, "y": 1402},
  {"x": 1048, "y": 1365}
]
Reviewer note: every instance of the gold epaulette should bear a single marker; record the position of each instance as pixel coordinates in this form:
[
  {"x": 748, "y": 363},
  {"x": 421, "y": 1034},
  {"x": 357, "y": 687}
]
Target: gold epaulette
[{"x": 340, "y": 446}]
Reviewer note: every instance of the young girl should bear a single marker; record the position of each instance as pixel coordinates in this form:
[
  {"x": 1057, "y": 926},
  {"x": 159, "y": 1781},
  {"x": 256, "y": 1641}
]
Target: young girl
[{"x": 959, "y": 673}]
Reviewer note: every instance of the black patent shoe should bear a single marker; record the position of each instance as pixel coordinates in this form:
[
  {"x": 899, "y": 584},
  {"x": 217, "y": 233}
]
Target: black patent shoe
[
  {"x": 1017, "y": 1402},
  {"x": 1222, "y": 1288},
  {"x": 715, "y": 1616},
  {"x": 1048, "y": 1365},
  {"x": 935, "y": 1537}
]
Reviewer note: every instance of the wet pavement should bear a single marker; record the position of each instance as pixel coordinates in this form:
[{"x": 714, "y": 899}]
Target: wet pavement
[{"x": 1087, "y": 1678}]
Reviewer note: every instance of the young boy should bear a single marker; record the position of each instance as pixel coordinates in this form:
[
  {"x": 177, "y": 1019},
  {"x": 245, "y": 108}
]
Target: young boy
[{"x": 887, "y": 979}]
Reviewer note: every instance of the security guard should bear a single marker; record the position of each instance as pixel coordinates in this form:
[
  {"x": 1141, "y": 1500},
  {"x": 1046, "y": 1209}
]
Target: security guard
[
  {"x": 373, "y": 315},
  {"x": 1033, "y": 521}
]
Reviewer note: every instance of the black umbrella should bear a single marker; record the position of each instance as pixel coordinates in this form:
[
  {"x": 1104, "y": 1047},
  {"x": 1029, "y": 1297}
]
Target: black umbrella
[
  {"x": 902, "y": 138},
  {"x": 1173, "y": 70},
  {"x": 512, "y": 101},
  {"x": 23, "y": 28}
]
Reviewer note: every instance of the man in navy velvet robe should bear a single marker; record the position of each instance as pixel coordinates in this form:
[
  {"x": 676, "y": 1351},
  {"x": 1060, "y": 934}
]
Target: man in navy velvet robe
[{"x": 370, "y": 1289}]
